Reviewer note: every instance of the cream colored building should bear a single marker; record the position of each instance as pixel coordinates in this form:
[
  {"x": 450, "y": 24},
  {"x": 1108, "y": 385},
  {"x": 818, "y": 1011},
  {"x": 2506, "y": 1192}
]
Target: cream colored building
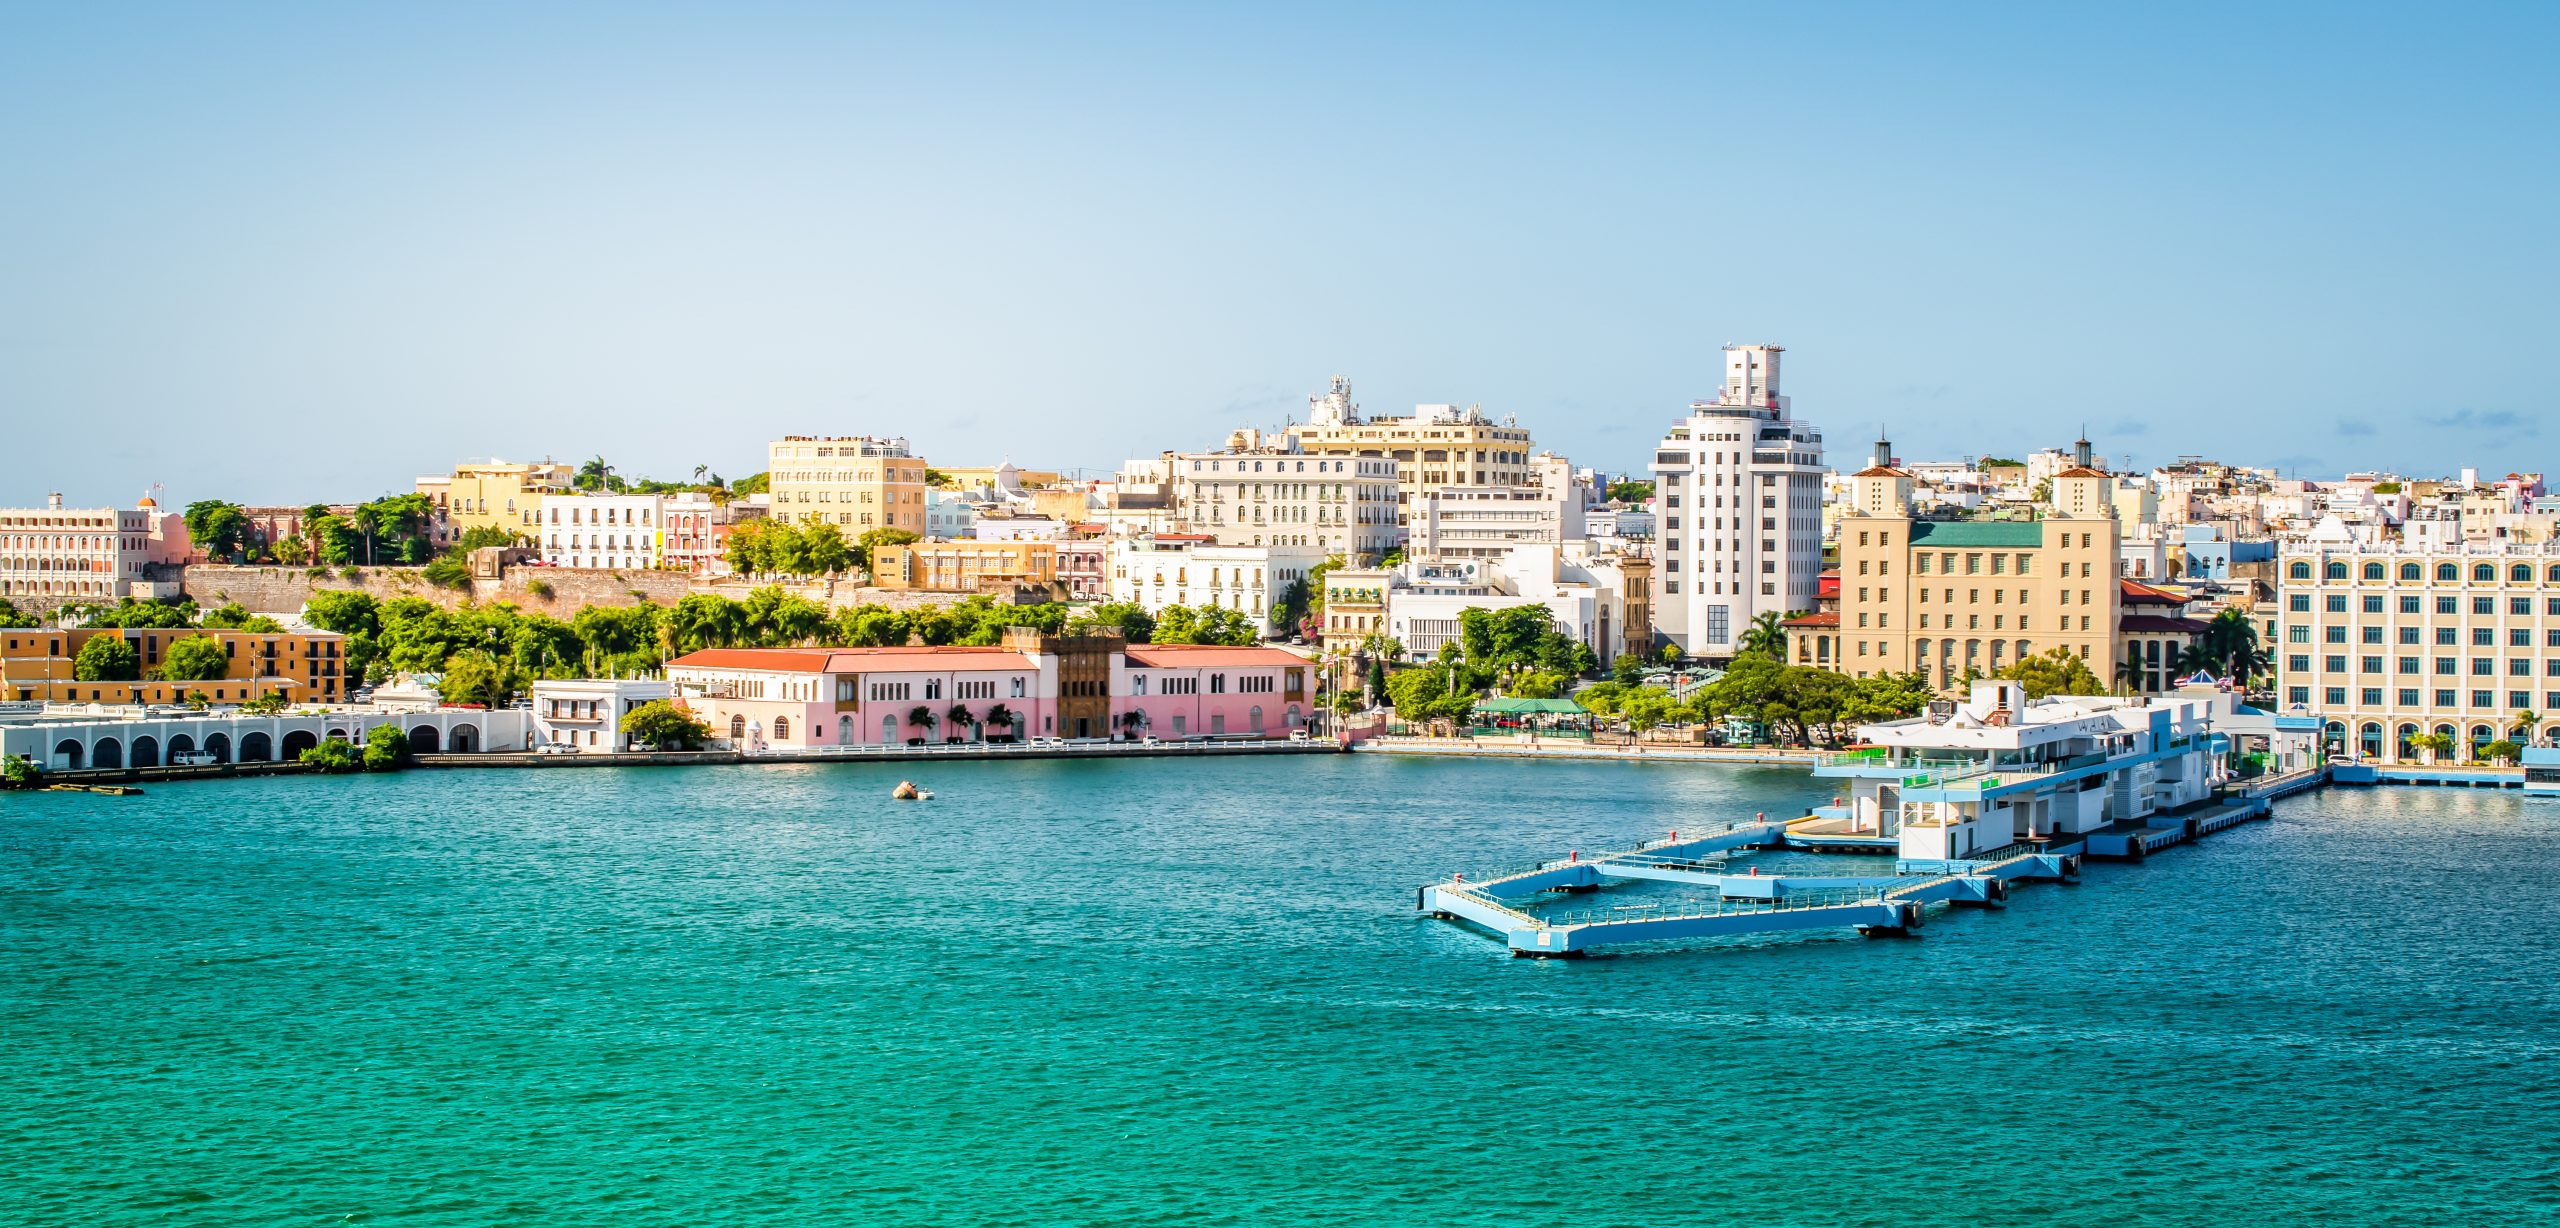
[
  {"x": 2385, "y": 642},
  {"x": 497, "y": 494},
  {"x": 965, "y": 566},
  {"x": 1193, "y": 569},
  {"x": 1945, "y": 597},
  {"x": 1440, "y": 445},
  {"x": 854, "y": 482},
  {"x": 1265, "y": 492}
]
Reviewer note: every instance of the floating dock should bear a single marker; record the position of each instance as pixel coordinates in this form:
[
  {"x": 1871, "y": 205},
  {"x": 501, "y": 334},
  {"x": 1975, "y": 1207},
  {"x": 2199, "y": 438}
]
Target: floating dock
[{"x": 1755, "y": 903}]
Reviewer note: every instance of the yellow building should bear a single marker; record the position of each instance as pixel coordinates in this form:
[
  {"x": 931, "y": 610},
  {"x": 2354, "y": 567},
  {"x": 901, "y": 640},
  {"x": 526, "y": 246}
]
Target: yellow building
[
  {"x": 36, "y": 665},
  {"x": 1439, "y": 446},
  {"x": 970, "y": 477},
  {"x": 497, "y": 494},
  {"x": 1945, "y": 597},
  {"x": 964, "y": 566},
  {"x": 1355, "y": 606},
  {"x": 854, "y": 482}
]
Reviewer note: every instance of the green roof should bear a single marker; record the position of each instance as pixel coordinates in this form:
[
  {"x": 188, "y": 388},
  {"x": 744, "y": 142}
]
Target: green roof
[
  {"x": 2004, "y": 534},
  {"x": 1525, "y": 707}
]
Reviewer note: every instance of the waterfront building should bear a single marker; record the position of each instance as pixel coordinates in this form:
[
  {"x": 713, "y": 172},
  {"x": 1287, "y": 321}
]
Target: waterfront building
[
  {"x": 90, "y": 554},
  {"x": 1031, "y": 685},
  {"x": 1946, "y": 597},
  {"x": 1487, "y": 522},
  {"x": 1194, "y": 569},
  {"x": 2001, "y": 769},
  {"x": 587, "y": 713},
  {"x": 1439, "y": 446},
  {"x": 36, "y": 666},
  {"x": 497, "y": 494},
  {"x": 1585, "y": 597},
  {"x": 602, "y": 532},
  {"x": 1738, "y": 487},
  {"x": 101, "y": 737},
  {"x": 2388, "y": 641},
  {"x": 965, "y": 566},
  {"x": 856, "y": 482},
  {"x": 1266, "y": 491}
]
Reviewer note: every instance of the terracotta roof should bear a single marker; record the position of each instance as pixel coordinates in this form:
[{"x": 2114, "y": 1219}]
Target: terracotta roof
[
  {"x": 1879, "y": 471},
  {"x": 1184, "y": 656},
  {"x": 2136, "y": 592},
  {"x": 2080, "y": 471},
  {"x": 1828, "y": 618},
  {"x": 2161, "y": 624},
  {"x": 854, "y": 660}
]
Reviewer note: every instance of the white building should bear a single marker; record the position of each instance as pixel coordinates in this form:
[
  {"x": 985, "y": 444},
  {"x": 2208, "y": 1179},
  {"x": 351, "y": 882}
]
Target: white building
[
  {"x": 603, "y": 532},
  {"x": 1194, "y": 569},
  {"x": 1265, "y": 491},
  {"x": 587, "y": 713},
  {"x": 1585, "y": 597},
  {"x": 948, "y": 515},
  {"x": 1738, "y": 486},
  {"x": 1017, "y": 529}
]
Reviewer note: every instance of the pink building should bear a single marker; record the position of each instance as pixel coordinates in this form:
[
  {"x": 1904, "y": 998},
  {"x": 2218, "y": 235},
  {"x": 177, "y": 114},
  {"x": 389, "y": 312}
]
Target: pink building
[{"x": 1030, "y": 686}]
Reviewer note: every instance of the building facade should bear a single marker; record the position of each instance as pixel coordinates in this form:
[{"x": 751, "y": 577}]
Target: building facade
[
  {"x": 1738, "y": 490},
  {"x": 1192, "y": 569},
  {"x": 94, "y": 554},
  {"x": 1487, "y": 522},
  {"x": 585, "y": 714},
  {"x": 1269, "y": 493},
  {"x": 2388, "y": 642},
  {"x": 854, "y": 482},
  {"x": 1439, "y": 446},
  {"x": 603, "y": 532},
  {"x": 964, "y": 566},
  {"x": 497, "y": 494},
  {"x": 36, "y": 666}
]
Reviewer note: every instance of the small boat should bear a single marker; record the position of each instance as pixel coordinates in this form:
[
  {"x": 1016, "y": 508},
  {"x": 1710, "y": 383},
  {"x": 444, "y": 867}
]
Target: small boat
[{"x": 908, "y": 792}]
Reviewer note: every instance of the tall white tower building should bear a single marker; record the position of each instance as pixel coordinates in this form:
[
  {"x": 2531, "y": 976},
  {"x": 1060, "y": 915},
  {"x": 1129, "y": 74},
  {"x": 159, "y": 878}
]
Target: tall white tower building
[{"x": 1738, "y": 496}]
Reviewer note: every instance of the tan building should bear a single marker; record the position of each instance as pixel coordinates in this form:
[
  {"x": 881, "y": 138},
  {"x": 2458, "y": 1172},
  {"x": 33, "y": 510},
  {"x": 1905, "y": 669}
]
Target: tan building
[
  {"x": 971, "y": 477},
  {"x": 89, "y": 553},
  {"x": 854, "y": 482},
  {"x": 964, "y": 566},
  {"x": 1355, "y": 607},
  {"x": 1439, "y": 446},
  {"x": 496, "y": 494},
  {"x": 1945, "y": 597},
  {"x": 36, "y": 665},
  {"x": 2387, "y": 642}
]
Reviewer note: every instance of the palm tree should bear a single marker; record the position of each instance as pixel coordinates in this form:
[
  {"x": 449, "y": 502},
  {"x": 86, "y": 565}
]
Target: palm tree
[
  {"x": 2525, "y": 722},
  {"x": 960, "y": 718},
  {"x": 1000, "y": 717},
  {"x": 1766, "y": 635},
  {"x": 593, "y": 474},
  {"x": 2129, "y": 676},
  {"x": 922, "y": 718}
]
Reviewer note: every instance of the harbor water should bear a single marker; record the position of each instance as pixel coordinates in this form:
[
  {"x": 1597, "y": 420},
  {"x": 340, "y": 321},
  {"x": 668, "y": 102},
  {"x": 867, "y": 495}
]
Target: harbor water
[{"x": 1195, "y": 992}]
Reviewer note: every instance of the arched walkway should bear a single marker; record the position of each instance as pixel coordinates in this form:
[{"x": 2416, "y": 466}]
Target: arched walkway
[
  {"x": 218, "y": 745},
  {"x": 146, "y": 751},
  {"x": 465, "y": 739},
  {"x": 180, "y": 745},
  {"x": 2407, "y": 732},
  {"x": 256, "y": 747},
  {"x": 1253, "y": 719},
  {"x": 106, "y": 753},
  {"x": 68, "y": 755},
  {"x": 423, "y": 740},
  {"x": 299, "y": 741}
]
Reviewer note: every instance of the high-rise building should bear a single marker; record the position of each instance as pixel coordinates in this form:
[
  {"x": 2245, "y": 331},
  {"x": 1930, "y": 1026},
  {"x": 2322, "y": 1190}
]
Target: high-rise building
[
  {"x": 1439, "y": 446},
  {"x": 1738, "y": 493},
  {"x": 856, "y": 483}
]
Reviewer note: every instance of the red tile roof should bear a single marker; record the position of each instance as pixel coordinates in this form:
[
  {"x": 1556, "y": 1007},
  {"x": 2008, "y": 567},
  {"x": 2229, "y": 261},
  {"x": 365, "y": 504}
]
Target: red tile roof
[
  {"x": 855, "y": 660},
  {"x": 2139, "y": 593},
  {"x": 1186, "y": 656},
  {"x": 1827, "y": 618}
]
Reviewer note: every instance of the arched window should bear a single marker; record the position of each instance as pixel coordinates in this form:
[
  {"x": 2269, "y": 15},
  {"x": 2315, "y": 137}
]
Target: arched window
[
  {"x": 2373, "y": 571},
  {"x": 2412, "y": 572},
  {"x": 738, "y": 729},
  {"x": 2299, "y": 571},
  {"x": 2483, "y": 573},
  {"x": 2552, "y": 576},
  {"x": 2335, "y": 571},
  {"x": 782, "y": 729},
  {"x": 2447, "y": 572},
  {"x": 2521, "y": 573},
  {"x": 2369, "y": 739},
  {"x": 2407, "y": 732}
]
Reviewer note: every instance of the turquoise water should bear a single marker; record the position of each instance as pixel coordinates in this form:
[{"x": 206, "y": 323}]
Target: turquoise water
[{"x": 1195, "y": 993}]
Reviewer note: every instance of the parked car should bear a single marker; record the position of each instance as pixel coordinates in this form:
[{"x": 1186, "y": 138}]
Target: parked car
[
  {"x": 555, "y": 748},
  {"x": 190, "y": 758},
  {"x": 1297, "y": 735}
]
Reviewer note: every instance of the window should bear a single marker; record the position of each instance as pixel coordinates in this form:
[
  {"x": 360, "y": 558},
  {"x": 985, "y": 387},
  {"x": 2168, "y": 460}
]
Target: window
[
  {"x": 2334, "y": 663},
  {"x": 2520, "y": 606},
  {"x": 2484, "y": 699},
  {"x": 2408, "y": 665},
  {"x": 2297, "y": 694},
  {"x": 2445, "y": 605},
  {"x": 2409, "y": 605},
  {"x": 2334, "y": 571},
  {"x": 2445, "y": 665},
  {"x": 2408, "y": 697},
  {"x": 2484, "y": 573},
  {"x": 2299, "y": 663},
  {"x": 2333, "y": 635},
  {"x": 2369, "y": 665},
  {"x": 2484, "y": 605},
  {"x": 2298, "y": 571},
  {"x": 2520, "y": 637},
  {"x": 2370, "y": 635},
  {"x": 2483, "y": 637},
  {"x": 2373, "y": 571},
  {"x": 2373, "y": 603},
  {"x": 2447, "y": 635},
  {"x": 2447, "y": 573},
  {"x": 2335, "y": 603},
  {"x": 2299, "y": 603},
  {"x": 2445, "y": 699},
  {"x": 2482, "y": 667},
  {"x": 2335, "y": 696},
  {"x": 2370, "y": 697},
  {"x": 2408, "y": 635},
  {"x": 2297, "y": 634},
  {"x": 2411, "y": 572}
]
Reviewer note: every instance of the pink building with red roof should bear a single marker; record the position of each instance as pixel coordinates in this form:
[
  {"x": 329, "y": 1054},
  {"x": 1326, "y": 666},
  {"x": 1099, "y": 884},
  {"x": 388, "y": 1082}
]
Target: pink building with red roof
[{"x": 1032, "y": 685}]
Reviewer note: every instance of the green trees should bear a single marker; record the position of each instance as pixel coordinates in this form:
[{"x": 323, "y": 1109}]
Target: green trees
[
  {"x": 386, "y": 749},
  {"x": 781, "y": 548},
  {"x": 335, "y": 756},
  {"x": 474, "y": 677},
  {"x": 12, "y": 616},
  {"x": 128, "y": 612},
  {"x": 2504, "y": 750},
  {"x": 107, "y": 658},
  {"x": 1766, "y": 636},
  {"x": 1629, "y": 490},
  {"x": 596, "y": 475},
  {"x": 1422, "y": 694},
  {"x": 196, "y": 658},
  {"x": 2056, "y": 672},
  {"x": 1002, "y": 717},
  {"x": 218, "y": 529},
  {"x": 663, "y": 725},
  {"x": 1204, "y": 625},
  {"x": 874, "y": 538},
  {"x": 1126, "y": 617},
  {"x": 236, "y": 617}
]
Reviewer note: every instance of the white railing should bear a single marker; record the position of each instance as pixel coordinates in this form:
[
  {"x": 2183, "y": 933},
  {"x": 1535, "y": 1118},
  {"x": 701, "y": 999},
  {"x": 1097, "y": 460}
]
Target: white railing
[{"x": 1000, "y": 749}]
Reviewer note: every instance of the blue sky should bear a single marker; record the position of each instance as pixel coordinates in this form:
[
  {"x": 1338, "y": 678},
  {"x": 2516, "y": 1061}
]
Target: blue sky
[{"x": 279, "y": 253}]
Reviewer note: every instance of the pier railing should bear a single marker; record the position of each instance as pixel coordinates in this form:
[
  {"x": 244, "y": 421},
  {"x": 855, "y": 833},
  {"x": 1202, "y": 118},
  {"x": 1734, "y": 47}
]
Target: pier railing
[{"x": 1793, "y": 901}]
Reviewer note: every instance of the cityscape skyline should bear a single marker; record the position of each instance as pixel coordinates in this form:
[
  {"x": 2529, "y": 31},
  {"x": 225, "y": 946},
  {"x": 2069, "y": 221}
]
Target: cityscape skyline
[{"x": 666, "y": 237}]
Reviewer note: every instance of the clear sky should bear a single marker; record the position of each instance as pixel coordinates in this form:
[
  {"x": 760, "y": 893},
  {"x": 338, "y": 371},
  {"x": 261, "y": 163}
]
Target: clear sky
[{"x": 282, "y": 253}]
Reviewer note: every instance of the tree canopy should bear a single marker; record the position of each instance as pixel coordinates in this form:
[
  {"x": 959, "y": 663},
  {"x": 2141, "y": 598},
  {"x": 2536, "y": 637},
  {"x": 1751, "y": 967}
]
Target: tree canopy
[
  {"x": 195, "y": 658},
  {"x": 107, "y": 658},
  {"x": 665, "y": 726}
]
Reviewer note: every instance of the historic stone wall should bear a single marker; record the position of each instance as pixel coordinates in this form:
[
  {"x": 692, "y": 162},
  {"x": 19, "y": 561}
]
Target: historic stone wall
[{"x": 283, "y": 590}]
